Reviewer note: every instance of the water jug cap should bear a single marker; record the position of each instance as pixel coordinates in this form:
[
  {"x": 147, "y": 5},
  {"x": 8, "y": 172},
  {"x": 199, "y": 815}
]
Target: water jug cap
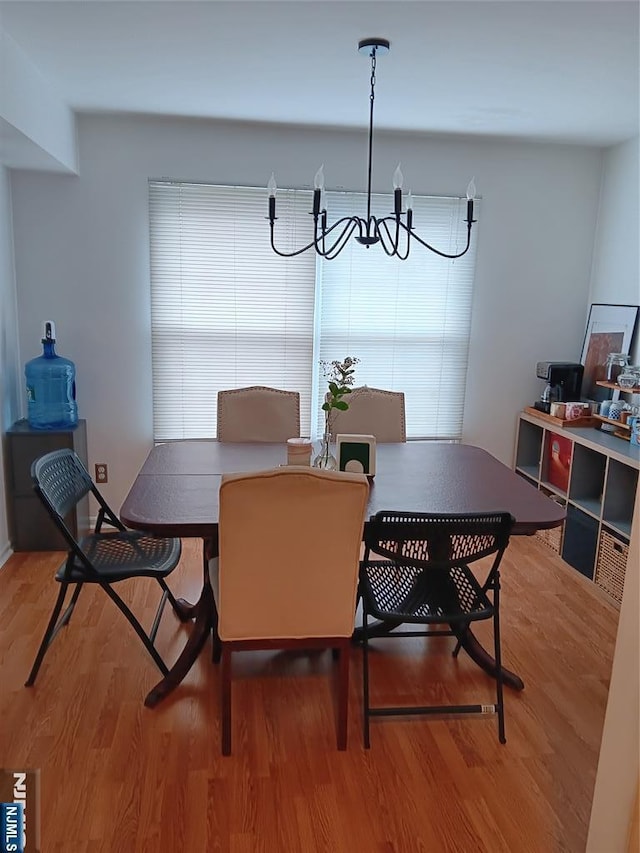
[{"x": 48, "y": 331}]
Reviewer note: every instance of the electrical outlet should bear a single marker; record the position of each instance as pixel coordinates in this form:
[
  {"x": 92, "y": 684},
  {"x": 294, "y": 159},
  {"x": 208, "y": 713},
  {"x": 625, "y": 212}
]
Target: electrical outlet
[{"x": 101, "y": 472}]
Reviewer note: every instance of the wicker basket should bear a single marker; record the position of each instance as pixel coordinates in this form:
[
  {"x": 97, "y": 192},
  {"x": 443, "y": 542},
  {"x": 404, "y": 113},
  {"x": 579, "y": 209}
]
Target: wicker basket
[
  {"x": 611, "y": 565},
  {"x": 552, "y": 537}
]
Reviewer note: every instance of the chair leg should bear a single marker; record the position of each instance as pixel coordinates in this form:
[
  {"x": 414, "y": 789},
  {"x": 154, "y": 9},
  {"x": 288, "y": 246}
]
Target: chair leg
[
  {"x": 343, "y": 693},
  {"x": 216, "y": 650},
  {"x": 173, "y": 602},
  {"x": 498, "y": 658},
  {"x": 225, "y": 683},
  {"x": 53, "y": 627},
  {"x": 137, "y": 627},
  {"x": 365, "y": 677}
]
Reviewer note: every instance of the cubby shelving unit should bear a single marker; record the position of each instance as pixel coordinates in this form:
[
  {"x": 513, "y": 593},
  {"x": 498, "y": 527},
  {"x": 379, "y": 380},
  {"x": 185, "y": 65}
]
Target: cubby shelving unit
[{"x": 601, "y": 474}]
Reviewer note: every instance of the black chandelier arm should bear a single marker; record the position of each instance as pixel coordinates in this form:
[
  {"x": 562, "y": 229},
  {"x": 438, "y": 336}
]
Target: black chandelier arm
[
  {"x": 390, "y": 248},
  {"x": 296, "y": 252},
  {"x": 318, "y": 243},
  {"x": 341, "y": 242},
  {"x": 347, "y": 219},
  {"x": 393, "y": 250},
  {"x": 413, "y": 236},
  {"x": 349, "y": 223}
]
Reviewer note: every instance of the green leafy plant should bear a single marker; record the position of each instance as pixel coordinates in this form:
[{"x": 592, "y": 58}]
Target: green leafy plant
[{"x": 340, "y": 375}]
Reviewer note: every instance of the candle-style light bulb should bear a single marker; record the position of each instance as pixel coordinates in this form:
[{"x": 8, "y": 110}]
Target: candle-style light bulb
[
  {"x": 397, "y": 192},
  {"x": 471, "y": 194},
  {"x": 409, "y": 210},
  {"x": 318, "y": 186},
  {"x": 271, "y": 188},
  {"x": 471, "y": 189}
]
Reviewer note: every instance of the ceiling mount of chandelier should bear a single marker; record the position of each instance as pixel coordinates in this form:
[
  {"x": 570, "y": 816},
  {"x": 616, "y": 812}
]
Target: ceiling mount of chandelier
[{"x": 394, "y": 232}]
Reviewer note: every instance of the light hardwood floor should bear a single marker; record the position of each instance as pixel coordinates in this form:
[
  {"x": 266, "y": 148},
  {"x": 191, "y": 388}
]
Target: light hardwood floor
[{"x": 117, "y": 776}]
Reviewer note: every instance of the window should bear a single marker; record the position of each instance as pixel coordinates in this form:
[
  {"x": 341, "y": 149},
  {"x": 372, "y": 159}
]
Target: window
[{"x": 227, "y": 312}]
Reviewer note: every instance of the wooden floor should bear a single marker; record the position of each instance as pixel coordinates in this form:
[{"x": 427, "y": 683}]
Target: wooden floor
[{"x": 117, "y": 776}]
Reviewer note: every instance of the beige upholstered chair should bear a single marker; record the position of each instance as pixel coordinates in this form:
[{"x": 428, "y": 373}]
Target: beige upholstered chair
[
  {"x": 258, "y": 413},
  {"x": 373, "y": 412},
  {"x": 287, "y": 571}
]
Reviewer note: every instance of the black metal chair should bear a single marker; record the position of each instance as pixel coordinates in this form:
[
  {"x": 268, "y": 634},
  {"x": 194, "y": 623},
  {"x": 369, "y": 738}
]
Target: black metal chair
[
  {"x": 420, "y": 575},
  {"x": 61, "y": 481}
]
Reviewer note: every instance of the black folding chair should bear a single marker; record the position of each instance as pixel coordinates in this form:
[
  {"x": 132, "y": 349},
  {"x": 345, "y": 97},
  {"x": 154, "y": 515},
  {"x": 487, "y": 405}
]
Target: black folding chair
[
  {"x": 424, "y": 578},
  {"x": 61, "y": 481}
]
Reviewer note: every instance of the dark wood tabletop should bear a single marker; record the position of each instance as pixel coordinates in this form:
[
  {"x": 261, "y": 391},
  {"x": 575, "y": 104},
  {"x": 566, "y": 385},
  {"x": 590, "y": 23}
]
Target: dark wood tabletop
[{"x": 176, "y": 491}]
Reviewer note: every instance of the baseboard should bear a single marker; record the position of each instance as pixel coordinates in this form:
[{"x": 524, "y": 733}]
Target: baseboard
[{"x": 5, "y": 553}]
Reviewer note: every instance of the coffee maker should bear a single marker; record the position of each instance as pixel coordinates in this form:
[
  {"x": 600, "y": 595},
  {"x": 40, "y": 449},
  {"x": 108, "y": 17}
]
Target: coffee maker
[{"x": 564, "y": 381}]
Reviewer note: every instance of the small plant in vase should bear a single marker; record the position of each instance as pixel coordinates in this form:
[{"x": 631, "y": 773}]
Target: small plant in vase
[{"x": 340, "y": 376}]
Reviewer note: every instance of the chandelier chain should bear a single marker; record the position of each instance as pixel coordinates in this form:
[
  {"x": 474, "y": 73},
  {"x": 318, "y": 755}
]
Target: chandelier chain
[{"x": 373, "y": 74}]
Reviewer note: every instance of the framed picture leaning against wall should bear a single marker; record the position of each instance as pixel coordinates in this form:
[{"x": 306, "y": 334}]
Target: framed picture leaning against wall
[{"x": 609, "y": 329}]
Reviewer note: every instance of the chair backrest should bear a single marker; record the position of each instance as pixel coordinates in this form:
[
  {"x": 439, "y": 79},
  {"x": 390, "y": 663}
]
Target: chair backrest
[
  {"x": 289, "y": 544},
  {"x": 61, "y": 481},
  {"x": 373, "y": 411},
  {"x": 258, "y": 413},
  {"x": 437, "y": 541}
]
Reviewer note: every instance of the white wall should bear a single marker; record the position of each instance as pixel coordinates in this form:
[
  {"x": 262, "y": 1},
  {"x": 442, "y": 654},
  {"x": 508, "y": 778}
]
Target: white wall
[
  {"x": 616, "y": 279},
  {"x": 616, "y": 261},
  {"x": 31, "y": 109},
  {"x": 82, "y": 255},
  {"x": 9, "y": 360}
]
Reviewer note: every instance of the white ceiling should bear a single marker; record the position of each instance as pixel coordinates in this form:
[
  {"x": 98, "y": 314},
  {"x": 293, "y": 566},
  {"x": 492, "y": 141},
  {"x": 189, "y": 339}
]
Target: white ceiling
[{"x": 533, "y": 69}]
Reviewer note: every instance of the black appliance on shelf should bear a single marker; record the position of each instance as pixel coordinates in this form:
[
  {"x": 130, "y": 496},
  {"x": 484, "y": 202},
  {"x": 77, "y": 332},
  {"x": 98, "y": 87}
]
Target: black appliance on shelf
[{"x": 564, "y": 382}]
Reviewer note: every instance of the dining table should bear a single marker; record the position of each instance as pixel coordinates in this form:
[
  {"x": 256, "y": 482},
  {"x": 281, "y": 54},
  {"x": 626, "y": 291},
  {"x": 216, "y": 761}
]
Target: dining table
[{"x": 175, "y": 494}]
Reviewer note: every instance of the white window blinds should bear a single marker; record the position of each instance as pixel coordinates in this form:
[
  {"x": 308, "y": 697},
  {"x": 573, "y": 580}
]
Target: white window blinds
[
  {"x": 407, "y": 321},
  {"x": 227, "y": 312}
]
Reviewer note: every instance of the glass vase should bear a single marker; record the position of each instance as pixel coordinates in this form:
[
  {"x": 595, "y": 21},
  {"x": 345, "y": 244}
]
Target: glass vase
[{"x": 325, "y": 458}]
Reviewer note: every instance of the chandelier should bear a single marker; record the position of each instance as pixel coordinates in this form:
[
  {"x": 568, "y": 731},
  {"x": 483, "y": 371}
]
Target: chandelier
[{"x": 394, "y": 232}]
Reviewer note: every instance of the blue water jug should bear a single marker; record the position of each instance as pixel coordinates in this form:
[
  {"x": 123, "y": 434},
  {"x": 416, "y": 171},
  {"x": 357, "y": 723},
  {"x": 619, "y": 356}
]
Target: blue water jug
[{"x": 51, "y": 387}]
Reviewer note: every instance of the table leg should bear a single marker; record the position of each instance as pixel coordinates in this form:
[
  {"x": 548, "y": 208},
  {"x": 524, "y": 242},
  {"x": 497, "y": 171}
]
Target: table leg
[
  {"x": 478, "y": 654},
  {"x": 468, "y": 642},
  {"x": 198, "y": 637},
  {"x": 203, "y": 612},
  {"x": 185, "y": 610}
]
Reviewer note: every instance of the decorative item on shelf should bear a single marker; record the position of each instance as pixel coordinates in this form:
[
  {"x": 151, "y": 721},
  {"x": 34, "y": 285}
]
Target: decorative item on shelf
[
  {"x": 558, "y": 410},
  {"x": 609, "y": 330},
  {"x": 558, "y": 460},
  {"x": 394, "y": 233},
  {"x": 627, "y": 379},
  {"x": 356, "y": 453},
  {"x": 586, "y": 419},
  {"x": 615, "y": 410},
  {"x": 340, "y": 375},
  {"x": 634, "y": 426},
  {"x": 575, "y": 410},
  {"x": 617, "y": 364}
]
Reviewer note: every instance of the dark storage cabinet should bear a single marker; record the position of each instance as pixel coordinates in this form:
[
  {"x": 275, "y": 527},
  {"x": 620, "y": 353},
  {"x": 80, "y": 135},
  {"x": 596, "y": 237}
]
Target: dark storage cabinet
[
  {"x": 580, "y": 541},
  {"x": 30, "y": 528}
]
